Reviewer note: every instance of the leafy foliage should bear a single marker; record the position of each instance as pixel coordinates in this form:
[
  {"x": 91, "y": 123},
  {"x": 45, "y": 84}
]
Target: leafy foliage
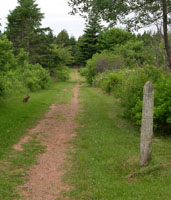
[
  {"x": 135, "y": 14},
  {"x": 61, "y": 74},
  {"x": 110, "y": 38},
  {"x": 35, "y": 77},
  {"x": 127, "y": 85},
  {"x": 60, "y": 56},
  {"x": 7, "y": 60},
  {"x": 101, "y": 62},
  {"x": 62, "y": 39},
  {"x": 134, "y": 54},
  {"x": 162, "y": 108},
  {"x": 16, "y": 74}
]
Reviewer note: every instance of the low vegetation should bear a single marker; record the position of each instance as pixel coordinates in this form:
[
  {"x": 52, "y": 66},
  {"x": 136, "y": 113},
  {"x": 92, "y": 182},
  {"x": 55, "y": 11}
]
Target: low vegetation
[
  {"x": 16, "y": 117},
  {"x": 124, "y": 69},
  {"x": 105, "y": 163},
  {"x": 127, "y": 85}
]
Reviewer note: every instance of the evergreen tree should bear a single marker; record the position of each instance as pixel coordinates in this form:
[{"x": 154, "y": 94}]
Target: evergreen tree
[
  {"x": 88, "y": 43},
  {"x": 63, "y": 38},
  {"x": 23, "y": 27},
  {"x": 43, "y": 45},
  {"x": 134, "y": 13},
  {"x": 73, "y": 43},
  {"x": 110, "y": 38},
  {"x": 79, "y": 57}
]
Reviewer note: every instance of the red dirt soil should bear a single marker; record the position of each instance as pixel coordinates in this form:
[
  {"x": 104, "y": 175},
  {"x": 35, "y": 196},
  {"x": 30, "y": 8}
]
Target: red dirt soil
[{"x": 54, "y": 132}]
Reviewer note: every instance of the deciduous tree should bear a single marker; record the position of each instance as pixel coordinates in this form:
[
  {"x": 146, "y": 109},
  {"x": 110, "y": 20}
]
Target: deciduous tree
[{"x": 134, "y": 13}]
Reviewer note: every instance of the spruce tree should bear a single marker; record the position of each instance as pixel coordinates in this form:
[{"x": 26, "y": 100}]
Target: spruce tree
[
  {"x": 43, "y": 46},
  {"x": 23, "y": 27},
  {"x": 88, "y": 43},
  {"x": 62, "y": 38}
]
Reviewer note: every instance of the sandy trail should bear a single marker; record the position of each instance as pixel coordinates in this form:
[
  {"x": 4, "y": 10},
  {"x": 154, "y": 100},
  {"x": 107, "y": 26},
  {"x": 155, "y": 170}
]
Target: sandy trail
[{"x": 54, "y": 131}]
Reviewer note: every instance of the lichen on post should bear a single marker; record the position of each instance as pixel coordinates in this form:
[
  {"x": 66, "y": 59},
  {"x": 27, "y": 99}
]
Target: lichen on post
[{"x": 147, "y": 124}]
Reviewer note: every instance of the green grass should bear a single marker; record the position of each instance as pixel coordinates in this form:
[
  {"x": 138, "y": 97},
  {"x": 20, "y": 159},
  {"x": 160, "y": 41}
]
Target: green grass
[
  {"x": 16, "y": 116},
  {"x": 13, "y": 173},
  {"x": 105, "y": 163}
]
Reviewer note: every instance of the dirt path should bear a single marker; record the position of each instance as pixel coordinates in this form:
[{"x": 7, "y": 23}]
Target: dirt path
[{"x": 54, "y": 131}]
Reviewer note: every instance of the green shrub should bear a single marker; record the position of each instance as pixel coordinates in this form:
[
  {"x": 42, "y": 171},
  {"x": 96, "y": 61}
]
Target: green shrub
[
  {"x": 35, "y": 77},
  {"x": 108, "y": 39},
  {"x": 111, "y": 82},
  {"x": 102, "y": 62},
  {"x": 128, "y": 86},
  {"x": 13, "y": 83},
  {"x": 61, "y": 74},
  {"x": 59, "y": 57},
  {"x": 134, "y": 54},
  {"x": 131, "y": 89},
  {"x": 83, "y": 71},
  {"x": 91, "y": 71},
  {"x": 108, "y": 81},
  {"x": 162, "y": 109},
  {"x": 99, "y": 79},
  {"x": 23, "y": 80},
  {"x": 7, "y": 58}
]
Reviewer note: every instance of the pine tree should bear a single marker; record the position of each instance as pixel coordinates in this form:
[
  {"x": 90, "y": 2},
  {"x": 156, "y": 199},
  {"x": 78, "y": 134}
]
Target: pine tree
[{"x": 23, "y": 26}]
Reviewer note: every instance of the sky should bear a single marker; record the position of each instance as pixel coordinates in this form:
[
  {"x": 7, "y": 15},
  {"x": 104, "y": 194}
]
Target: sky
[{"x": 56, "y": 16}]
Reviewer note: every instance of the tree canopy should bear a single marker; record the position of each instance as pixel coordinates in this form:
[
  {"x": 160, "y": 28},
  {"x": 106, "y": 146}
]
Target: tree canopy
[
  {"x": 134, "y": 13},
  {"x": 87, "y": 44},
  {"x": 62, "y": 38},
  {"x": 24, "y": 24}
]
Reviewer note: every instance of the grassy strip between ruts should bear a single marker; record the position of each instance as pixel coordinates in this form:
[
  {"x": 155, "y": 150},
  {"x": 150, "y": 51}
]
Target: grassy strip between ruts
[
  {"x": 15, "y": 118},
  {"x": 105, "y": 163}
]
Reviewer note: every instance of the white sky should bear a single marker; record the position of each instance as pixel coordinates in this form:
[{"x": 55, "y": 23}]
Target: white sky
[{"x": 56, "y": 16}]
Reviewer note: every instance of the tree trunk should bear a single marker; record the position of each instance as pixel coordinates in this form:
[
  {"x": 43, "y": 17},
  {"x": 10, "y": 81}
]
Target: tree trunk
[
  {"x": 166, "y": 40},
  {"x": 159, "y": 30}
]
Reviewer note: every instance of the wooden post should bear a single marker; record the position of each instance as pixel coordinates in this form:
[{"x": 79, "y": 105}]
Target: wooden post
[{"x": 147, "y": 124}]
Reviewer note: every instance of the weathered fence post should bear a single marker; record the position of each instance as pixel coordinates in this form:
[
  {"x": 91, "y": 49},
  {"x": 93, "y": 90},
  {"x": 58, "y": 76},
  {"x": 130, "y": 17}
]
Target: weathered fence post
[{"x": 147, "y": 124}]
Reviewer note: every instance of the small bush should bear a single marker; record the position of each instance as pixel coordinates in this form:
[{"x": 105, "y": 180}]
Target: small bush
[
  {"x": 102, "y": 62},
  {"x": 13, "y": 83},
  {"x": 107, "y": 61},
  {"x": 128, "y": 86},
  {"x": 7, "y": 58},
  {"x": 134, "y": 54},
  {"x": 61, "y": 74},
  {"x": 108, "y": 81},
  {"x": 35, "y": 77},
  {"x": 162, "y": 109},
  {"x": 131, "y": 89},
  {"x": 83, "y": 71}
]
